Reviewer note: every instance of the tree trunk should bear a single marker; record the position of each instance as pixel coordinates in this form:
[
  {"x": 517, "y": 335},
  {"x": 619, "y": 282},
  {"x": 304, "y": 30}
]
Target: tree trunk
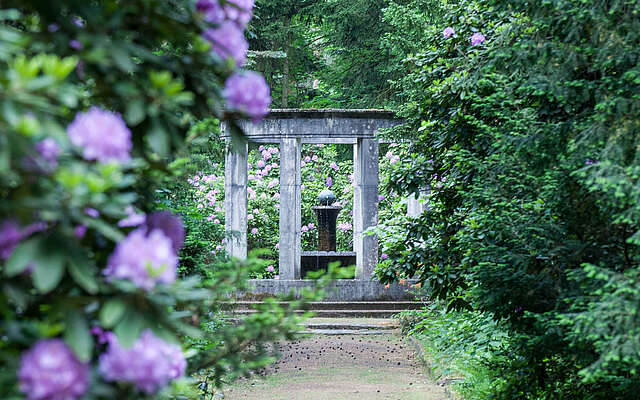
[{"x": 285, "y": 68}]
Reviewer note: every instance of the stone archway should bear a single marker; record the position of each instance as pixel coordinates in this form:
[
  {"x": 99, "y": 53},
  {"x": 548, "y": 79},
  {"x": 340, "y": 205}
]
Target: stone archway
[{"x": 290, "y": 128}]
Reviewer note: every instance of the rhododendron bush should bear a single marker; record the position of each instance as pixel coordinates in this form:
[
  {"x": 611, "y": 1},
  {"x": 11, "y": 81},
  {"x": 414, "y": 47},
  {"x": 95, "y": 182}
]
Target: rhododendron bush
[
  {"x": 95, "y": 97},
  {"x": 199, "y": 193}
]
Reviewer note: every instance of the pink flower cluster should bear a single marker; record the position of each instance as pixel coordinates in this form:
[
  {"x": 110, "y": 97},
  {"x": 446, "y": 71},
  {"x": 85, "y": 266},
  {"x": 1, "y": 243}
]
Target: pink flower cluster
[
  {"x": 101, "y": 135},
  {"x": 144, "y": 258},
  {"x": 248, "y": 93},
  {"x": 392, "y": 158},
  {"x": 11, "y": 235},
  {"x": 307, "y": 228},
  {"x": 476, "y": 39},
  {"x": 50, "y": 371},
  {"x": 150, "y": 363}
]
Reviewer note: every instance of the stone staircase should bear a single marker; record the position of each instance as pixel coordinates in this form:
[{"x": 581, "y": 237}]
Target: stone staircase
[{"x": 342, "y": 309}]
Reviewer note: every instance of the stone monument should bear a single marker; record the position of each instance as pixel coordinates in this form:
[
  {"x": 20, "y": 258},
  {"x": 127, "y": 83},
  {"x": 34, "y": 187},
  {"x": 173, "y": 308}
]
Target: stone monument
[{"x": 327, "y": 215}]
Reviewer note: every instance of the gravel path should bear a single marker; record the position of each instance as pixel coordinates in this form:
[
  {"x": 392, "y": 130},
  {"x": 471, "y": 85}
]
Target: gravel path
[{"x": 342, "y": 367}]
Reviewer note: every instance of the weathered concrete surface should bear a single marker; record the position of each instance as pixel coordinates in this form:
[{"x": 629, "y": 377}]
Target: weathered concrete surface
[
  {"x": 338, "y": 290},
  {"x": 290, "y": 204},
  {"x": 318, "y": 125},
  {"x": 365, "y": 206},
  {"x": 235, "y": 199},
  {"x": 416, "y": 205}
]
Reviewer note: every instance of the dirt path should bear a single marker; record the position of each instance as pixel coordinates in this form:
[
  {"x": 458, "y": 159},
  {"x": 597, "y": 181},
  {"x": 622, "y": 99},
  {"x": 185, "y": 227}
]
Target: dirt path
[{"x": 342, "y": 368}]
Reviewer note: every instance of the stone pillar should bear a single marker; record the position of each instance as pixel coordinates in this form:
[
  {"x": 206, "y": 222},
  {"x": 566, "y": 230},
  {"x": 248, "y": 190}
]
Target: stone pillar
[
  {"x": 365, "y": 206},
  {"x": 416, "y": 204},
  {"x": 290, "y": 208},
  {"x": 235, "y": 199}
]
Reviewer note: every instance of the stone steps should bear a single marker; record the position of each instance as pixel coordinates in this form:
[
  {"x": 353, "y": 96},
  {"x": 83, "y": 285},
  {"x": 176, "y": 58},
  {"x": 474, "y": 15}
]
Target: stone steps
[
  {"x": 358, "y": 326},
  {"x": 338, "y": 313},
  {"x": 339, "y": 305}
]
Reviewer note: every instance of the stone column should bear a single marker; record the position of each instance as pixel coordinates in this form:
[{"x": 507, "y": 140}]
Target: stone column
[
  {"x": 235, "y": 199},
  {"x": 416, "y": 204},
  {"x": 290, "y": 208},
  {"x": 365, "y": 206}
]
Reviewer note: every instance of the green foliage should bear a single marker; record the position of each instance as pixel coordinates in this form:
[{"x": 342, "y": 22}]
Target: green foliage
[
  {"x": 460, "y": 345},
  {"x": 284, "y": 49},
  {"x": 196, "y": 191},
  {"x": 528, "y": 145},
  {"x": 146, "y": 61}
]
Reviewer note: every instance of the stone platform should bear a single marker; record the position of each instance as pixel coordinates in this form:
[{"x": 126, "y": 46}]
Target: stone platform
[{"x": 338, "y": 290}]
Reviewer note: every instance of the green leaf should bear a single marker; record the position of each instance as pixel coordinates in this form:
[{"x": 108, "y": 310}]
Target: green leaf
[
  {"x": 78, "y": 336},
  {"x": 135, "y": 112},
  {"x": 83, "y": 273},
  {"x": 22, "y": 256},
  {"x": 129, "y": 328},
  {"x": 122, "y": 59},
  {"x": 104, "y": 228},
  {"x": 158, "y": 139},
  {"x": 112, "y": 312},
  {"x": 49, "y": 269}
]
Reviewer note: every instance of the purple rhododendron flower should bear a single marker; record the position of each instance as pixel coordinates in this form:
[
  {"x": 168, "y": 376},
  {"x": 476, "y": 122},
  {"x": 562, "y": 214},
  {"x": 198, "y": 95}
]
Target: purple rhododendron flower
[
  {"x": 384, "y": 256},
  {"x": 227, "y": 40},
  {"x": 50, "y": 371},
  {"x": 10, "y": 236},
  {"x": 171, "y": 225},
  {"x": 477, "y": 38},
  {"x": 238, "y": 11},
  {"x": 143, "y": 258},
  {"x": 150, "y": 363},
  {"x": 212, "y": 11},
  {"x": 76, "y": 44},
  {"x": 254, "y": 231},
  {"x": 92, "y": 212},
  {"x": 53, "y": 28},
  {"x": 304, "y": 229},
  {"x": 77, "y": 21},
  {"x": 270, "y": 268},
  {"x": 334, "y": 166},
  {"x": 49, "y": 150},
  {"x": 102, "y": 135},
  {"x": 260, "y": 164},
  {"x": 448, "y": 32},
  {"x": 249, "y": 93},
  {"x": 79, "y": 231},
  {"x": 328, "y": 181},
  {"x": 132, "y": 218},
  {"x": 314, "y": 158}
]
